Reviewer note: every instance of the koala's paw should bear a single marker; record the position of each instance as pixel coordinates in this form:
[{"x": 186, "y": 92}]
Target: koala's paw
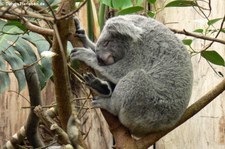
[
  {"x": 77, "y": 23},
  {"x": 99, "y": 86},
  {"x": 90, "y": 79},
  {"x": 97, "y": 102},
  {"x": 81, "y": 35},
  {"x": 76, "y": 52}
]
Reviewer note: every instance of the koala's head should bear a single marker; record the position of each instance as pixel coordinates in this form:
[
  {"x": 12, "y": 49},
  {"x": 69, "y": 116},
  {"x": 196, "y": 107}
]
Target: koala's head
[{"x": 115, "y": 40}]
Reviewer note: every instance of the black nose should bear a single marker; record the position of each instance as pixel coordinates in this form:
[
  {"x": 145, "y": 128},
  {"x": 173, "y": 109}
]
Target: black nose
[{"x": 100, "y": 61}]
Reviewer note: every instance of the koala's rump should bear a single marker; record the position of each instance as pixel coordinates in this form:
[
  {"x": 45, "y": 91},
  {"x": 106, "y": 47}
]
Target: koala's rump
[{"x": 140, "y": 107}]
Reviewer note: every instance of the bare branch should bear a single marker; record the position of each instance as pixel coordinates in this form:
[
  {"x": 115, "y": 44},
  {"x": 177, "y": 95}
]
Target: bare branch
[
  {"x": 184, "y": 32},
  {"x": 221, "y": 27},
  {"x": 191, "y": 111}
]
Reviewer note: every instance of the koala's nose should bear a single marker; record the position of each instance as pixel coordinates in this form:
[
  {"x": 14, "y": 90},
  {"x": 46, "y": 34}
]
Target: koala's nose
[
  {"x": 100, "y": 61},
  {"x": 105, "y": 58}
]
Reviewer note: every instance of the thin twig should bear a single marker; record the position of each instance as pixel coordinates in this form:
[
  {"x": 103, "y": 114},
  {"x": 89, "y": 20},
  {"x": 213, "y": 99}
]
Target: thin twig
[
  {"x": 20, "y": 95},
  {"x": 221, "y": 27},
  {"x": 184, "y": 32},
  {"x": 25, "y": 66},
  {"x": 3, "y": 51}
]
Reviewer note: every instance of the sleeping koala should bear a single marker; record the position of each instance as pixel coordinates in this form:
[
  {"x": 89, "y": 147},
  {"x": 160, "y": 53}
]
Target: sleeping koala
[{"x": 146, "y": 73}]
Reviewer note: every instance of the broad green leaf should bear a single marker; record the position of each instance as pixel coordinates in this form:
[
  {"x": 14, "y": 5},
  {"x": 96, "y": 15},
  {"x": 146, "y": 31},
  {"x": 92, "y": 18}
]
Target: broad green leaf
[
  {"x": 4, "y": 77},
  {"x": 42, "y": 45},
  {"x": 139, "y": 2},
  {"x": 130, "y": 10},
  {"x": 187, "y": 42},
  {"x": 16, "y": 23},
  {"x": 21, "y": 53},
  {"x": 181, "y": 3},
  {"x": 25, "y": 46},
  {"x": 11, "y": 29},
  {"x": 16, "y": 63},
  {"x": 107, "y": 2},
  {"x": 211, "y": 22},
  {"x": 2, "y": 23},
  {"x": 118, "y": 4},
  {"x": 199, "y": 31},
  {"x": 29, "y": 57},
  {"x": 9, "y": 55},
  {"x": 152, "y": 1},
  {"x": 213, "y": 57}
]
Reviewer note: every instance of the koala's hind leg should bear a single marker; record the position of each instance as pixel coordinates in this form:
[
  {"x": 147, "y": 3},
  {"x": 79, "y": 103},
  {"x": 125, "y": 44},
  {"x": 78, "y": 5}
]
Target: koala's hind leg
[
  {"x": 132, "y": 101},
  {"x": 128, "y": 97}
]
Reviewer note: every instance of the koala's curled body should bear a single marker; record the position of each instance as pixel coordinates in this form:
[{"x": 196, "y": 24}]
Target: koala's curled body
[{"x": 151, "y": 70}]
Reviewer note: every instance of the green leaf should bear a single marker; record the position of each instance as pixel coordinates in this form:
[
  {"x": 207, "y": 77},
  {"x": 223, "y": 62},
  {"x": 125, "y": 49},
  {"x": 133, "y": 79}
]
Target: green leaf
[
  {"x": 107, "y": 2},
  {"x": 139, "y": 2},
  {"x": 213, "y": 57},
  {"x": 16, "y": 23},
  {"x": 151, "y": 14},
  {"x": 130, "y": 10},
  {"x": 118, "y": 4},
  {"x": 22, "y": 53},
  {"x": 42, "y": 45},
  {"x": 199, "y": 31},
  {"x": 152, "y": 1},
  {"x": 223, "y": 30},
  {"x": 4, "y": 77},
  {"x": 181, "y": 3},
  {"x": 16, "y": 63},
  {"x": 187, "y": 42},
  {"x": 211, "y": 22},
  {"x": 29, "y": 57}
]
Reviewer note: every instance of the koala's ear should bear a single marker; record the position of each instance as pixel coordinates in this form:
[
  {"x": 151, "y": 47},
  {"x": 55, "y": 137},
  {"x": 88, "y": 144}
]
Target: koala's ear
[{"x": 124, "y": 27}]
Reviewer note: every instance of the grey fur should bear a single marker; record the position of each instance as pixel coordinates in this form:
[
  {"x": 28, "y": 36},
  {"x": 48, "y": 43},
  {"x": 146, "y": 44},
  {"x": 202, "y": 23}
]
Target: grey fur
[{"x": 151, "y": 69}]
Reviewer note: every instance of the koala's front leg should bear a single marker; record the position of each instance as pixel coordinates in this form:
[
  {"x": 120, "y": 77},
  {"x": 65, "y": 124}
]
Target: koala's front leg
[
  {"x": 87, "y": 56},
  {"x": 83, "y": 54},
  {"x": 101, "y": 87},
  {"x": 82, "y": 36}
]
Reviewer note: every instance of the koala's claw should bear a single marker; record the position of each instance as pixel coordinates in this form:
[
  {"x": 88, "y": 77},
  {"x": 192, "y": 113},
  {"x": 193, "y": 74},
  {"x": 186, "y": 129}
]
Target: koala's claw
[
  {"x": 90, "y": 79},
  {"x": 80, "y": 32},
  {"x": 78, "y": 49},
  {"x": 96, "y": 103},
  {"x": 77, "y": 23}
]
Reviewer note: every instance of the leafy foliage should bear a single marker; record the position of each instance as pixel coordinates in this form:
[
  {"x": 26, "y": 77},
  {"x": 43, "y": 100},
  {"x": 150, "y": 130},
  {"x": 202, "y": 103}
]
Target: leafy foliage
[
  {"x": 18, "y": 49},
  {"x": 152, "y": 1},
  {"x": 130, "y": 10},
  {"x": 187, "y": 42},
  {"x": 213, "y": 57},
  {"x": 213, "y": 21},
  {"x": 181, "y": 3}
]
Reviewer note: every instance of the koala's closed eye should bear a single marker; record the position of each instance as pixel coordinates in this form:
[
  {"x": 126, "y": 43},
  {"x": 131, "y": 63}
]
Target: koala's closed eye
[{"x": 106, "y": 43}]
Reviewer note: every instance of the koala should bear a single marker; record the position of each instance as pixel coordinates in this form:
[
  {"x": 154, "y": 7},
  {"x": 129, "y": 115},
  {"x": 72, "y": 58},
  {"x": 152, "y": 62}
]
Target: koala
[{"x": 145, "y": 73}]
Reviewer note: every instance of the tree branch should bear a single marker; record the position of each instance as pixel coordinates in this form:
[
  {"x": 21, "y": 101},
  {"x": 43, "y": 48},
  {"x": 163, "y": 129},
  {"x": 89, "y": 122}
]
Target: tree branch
[
  {"x": 29, "y": 25},
  {"x": 184, "y": 32},
  {"x": 191, "y": 111},
  {"x": 32, "y": 132}
]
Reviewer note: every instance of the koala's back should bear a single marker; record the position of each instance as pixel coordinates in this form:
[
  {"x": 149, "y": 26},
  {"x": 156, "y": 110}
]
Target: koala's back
[{"x": 154, "y": 79}]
